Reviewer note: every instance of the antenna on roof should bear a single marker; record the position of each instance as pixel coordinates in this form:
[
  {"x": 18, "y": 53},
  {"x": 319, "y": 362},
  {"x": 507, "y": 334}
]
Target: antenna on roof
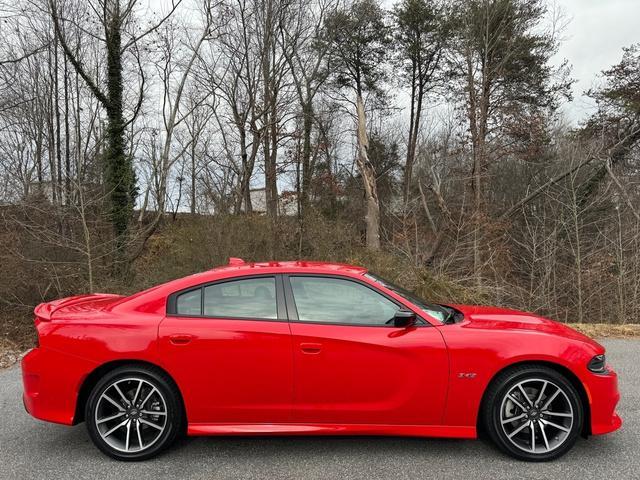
[{"x": 236, "y": 261}]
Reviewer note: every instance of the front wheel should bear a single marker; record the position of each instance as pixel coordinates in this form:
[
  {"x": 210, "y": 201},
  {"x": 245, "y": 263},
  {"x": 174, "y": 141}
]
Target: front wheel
[
  {"x": 133, "y": 413},
  {"x": 533, "y": 413}
]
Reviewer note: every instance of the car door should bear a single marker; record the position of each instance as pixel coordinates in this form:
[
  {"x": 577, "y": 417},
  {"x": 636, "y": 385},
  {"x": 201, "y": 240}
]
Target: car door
[
  {"x": 351, "y": 366},
  {"x": 228, "y": 346}
]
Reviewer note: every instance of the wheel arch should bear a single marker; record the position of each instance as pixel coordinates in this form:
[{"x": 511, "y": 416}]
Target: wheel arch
[
  {"x": 561, "y": 369},
  {"x": 96, "y": 374}
]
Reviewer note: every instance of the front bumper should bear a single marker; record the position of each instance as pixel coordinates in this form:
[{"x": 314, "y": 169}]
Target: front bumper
[{"x": 603, "y": 393}]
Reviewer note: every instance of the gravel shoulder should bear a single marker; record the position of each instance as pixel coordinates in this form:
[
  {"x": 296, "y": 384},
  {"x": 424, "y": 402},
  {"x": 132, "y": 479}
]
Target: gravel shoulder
[
  {"x": 37, "y": 450},
  {"x": 606, "y": 330}
]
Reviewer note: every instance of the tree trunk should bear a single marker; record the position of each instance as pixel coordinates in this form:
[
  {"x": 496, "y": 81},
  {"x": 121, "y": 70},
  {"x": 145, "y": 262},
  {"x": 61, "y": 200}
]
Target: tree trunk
[
  {"x": 67, "y": 147},
  {"x": 478, "y": 111},
  {"x": 413, "y": 131},
  {"x": 192, "y": 208},
  {"x": 307, "y": 171},
  {"x": 78, "y": 139},
  {"x": 51, "y": 144},
  {"x": 56, "y": 99},
  {"x": 38, "y": 152},
  {"x": 271, "y": 184},
  {"x": 120, "y": 177},
  {"x": 372, "y": 217},
  {"x": 577, "y": 256},
  {"x": 244, "y": 183}
]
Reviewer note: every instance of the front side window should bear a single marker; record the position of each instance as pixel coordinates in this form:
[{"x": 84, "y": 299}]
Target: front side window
[
  {"x": 246, "y": 298},
  {"x": 334, "y": 300},
  {"x": 442, "y": 313}
]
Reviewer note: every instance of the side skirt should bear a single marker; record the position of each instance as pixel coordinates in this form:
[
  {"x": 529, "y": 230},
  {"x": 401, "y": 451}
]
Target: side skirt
[{"x": 441, "y": 431}]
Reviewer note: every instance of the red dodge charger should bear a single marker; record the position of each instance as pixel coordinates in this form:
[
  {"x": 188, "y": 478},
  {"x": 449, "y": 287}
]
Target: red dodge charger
[{"x": 311, "y": 348}]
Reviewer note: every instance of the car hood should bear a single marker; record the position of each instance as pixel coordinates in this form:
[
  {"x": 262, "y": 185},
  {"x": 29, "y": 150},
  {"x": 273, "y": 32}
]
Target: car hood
[{"x": 497, "y": 318}]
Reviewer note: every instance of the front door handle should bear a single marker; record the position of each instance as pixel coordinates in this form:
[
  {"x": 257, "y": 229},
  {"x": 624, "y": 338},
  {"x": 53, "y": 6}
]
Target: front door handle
[
  {"x": 311, "y": 348},
  {"x": 180, "y": 339}
]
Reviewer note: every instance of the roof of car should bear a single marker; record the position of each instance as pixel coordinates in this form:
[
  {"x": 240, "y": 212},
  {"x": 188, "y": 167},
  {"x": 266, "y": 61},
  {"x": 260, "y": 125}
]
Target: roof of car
[{"x": 240, "y": 266}]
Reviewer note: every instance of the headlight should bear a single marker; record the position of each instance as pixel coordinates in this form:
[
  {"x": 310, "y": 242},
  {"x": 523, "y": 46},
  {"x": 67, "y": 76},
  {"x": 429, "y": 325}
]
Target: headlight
[{"x": 597, "y": 364}]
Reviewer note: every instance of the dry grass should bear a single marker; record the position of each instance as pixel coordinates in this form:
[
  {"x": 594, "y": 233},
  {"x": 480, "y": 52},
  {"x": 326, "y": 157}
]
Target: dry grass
[
  {"x": 10, "y": 353},
  {"x": 603, "y": 330}
]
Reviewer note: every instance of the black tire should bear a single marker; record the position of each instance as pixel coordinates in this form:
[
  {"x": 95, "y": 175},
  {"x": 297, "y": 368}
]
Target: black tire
[
  {"x": 494, "y": 403},
  {"x": 168, "y": 396}
]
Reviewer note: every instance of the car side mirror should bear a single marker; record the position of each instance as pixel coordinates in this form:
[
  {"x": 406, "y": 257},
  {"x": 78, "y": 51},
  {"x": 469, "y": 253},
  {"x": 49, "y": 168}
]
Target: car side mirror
[{"x": 404, "y": 318}]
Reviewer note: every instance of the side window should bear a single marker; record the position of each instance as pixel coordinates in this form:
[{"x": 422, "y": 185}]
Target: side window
[
  {"x": 247, "y": 298},
  {"x": 189, "y": 303},
  {"x": 333, "y": 300}
]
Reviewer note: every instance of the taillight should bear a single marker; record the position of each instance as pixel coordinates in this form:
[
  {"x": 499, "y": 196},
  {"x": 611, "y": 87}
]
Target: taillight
[
  {"x": 597, "y": 364},
  {"x": 38, "y": 322}
]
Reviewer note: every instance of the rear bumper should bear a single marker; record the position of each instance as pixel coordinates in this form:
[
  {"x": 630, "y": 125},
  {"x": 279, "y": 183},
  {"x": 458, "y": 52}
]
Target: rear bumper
[
  {"x": 31, "y": 382},
  {"x": 603, "y": 397},
  {"x": 50, "y": 386}
]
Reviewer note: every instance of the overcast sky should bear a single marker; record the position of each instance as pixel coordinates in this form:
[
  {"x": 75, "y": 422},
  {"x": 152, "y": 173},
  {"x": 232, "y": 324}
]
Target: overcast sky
[
  {"x": 593, "y": 41},
  {"x": 595, "y": 32}
]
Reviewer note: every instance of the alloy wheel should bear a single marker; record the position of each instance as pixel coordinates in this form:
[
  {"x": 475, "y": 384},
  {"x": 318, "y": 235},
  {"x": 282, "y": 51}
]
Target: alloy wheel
[
  {"x": 131, "y": 414},
  {"x": 536, "y": 415}
]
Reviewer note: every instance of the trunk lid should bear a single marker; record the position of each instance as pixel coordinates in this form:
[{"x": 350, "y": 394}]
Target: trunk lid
[{"x": 75, "y": 306}]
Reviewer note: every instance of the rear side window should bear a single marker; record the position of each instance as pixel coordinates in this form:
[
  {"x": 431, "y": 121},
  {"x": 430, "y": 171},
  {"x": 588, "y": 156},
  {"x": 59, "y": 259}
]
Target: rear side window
[
  {"x": 251, "y": 298},
  {"x": 189, "y": 303},
  {"x": 247, "y": 298}
]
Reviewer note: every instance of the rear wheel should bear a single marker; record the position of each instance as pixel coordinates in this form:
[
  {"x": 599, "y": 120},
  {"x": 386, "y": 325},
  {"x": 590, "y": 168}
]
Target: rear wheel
[
  {"x": 133, "y": 413},
  {"x": 533, "y": 413}
]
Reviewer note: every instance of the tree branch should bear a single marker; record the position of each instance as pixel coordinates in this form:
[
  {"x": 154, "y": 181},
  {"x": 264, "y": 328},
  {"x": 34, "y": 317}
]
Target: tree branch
[
  {"x": 612, "y": 150},
  {"x": 623, "y": 192},
  {"x": 74, "y": 61},
  {"x": 135, "y": 39},
  {"x": 25, "y": 56}
]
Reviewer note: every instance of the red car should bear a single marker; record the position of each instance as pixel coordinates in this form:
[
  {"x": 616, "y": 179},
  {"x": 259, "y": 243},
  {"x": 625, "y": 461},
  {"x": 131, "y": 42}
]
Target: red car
[{"x": 311, "y": 348}]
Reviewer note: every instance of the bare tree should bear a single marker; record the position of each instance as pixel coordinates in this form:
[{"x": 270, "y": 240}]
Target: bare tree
[
  {"x": 421, "y": 32},
  {"x": 503, "y": 65},
  {"x": 115, "y": 17},
  {"x": 234, "y": 71},
  {"x": 306, "y": 58},
  {"x": 172, "y": 96},
  {"x": 358, "y": 39}
]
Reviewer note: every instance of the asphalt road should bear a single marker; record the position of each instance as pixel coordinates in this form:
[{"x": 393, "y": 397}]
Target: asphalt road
[{"x": 30, "y": 449}]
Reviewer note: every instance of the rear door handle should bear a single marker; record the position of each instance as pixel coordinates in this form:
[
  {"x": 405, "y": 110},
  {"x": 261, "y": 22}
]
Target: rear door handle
[
  {"x": 311, "y": 348},
  {"x": 180, "y": 339}
]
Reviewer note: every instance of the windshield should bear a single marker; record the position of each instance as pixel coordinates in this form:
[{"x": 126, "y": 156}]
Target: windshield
[{"x": 439, "y": 312}]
